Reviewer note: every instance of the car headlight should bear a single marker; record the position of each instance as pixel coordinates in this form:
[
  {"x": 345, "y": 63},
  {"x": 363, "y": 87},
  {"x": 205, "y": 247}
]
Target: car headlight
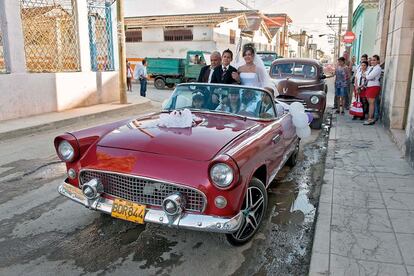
[
  {"x": 314, "y": 99},
  {"x": 222, "y": 175},
  {"x": 66, "y": 151}
]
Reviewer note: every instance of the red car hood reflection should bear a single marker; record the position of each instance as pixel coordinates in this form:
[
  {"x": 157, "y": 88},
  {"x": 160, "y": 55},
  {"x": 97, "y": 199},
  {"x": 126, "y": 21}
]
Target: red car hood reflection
[{"x": 200, "y": 142}]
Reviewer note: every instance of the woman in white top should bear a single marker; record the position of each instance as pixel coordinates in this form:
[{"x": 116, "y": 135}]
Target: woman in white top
[
  {"x": 253, "y": 72},
  {"x": 373, "y": 87}
]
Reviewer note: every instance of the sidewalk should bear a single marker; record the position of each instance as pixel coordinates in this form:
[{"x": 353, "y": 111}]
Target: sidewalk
[
  {"x": 365, "y": 223},
  {"x": 17, "y": 127}
]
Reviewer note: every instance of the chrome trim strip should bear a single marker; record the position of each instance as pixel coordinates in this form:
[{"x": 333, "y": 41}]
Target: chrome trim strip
[
  {"x": 150, "y": 179},
  {"x": 284, "y": 160},
  {"x": 185, "y": 220}
]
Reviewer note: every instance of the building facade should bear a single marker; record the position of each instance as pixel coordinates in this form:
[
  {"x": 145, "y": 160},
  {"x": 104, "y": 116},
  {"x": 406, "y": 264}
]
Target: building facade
[
  {"x": 300, "y": 46},
  {"x": 364, "y": 27},
  {"x": 395, "y": 44},
  {"x": 174, "y": 35},
  {"x": 56, "y": 55}
]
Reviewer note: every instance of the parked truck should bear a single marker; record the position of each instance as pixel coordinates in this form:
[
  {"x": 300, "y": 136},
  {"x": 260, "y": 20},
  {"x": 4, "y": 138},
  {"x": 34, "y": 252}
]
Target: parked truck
[
  {"x": 268, "y": 57},
  {"x": 170, "y": 71}
]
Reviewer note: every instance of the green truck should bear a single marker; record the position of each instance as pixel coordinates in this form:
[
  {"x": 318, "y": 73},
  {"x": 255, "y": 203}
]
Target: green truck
[
  {"x": 268, "y": 57},
  {"x": 170, "y": 71}
]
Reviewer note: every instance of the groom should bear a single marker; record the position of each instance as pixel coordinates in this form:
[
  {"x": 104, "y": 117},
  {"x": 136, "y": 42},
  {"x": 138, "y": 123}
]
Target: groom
[{"x": 223, "y": 73}]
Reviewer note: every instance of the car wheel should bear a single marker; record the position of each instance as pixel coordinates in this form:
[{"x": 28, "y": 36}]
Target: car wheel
[
  {"x": 316, "y": 123},
  {"x": 170, "y": 85},
  {"x": 291, "y": 162},
  {"x": 159, "y": 83},
  {"x": 253, "y": 210}
]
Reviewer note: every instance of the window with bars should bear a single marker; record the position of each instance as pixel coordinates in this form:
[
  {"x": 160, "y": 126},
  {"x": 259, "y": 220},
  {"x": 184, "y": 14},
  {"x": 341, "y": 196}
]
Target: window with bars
[
  {"x": 232, "y": 37},
  {"x": 50, "y": 35},
  {"x": 100, "y": 35},
  {"x": 180, "y": 34},
  {"x": 133, "y": 35}
]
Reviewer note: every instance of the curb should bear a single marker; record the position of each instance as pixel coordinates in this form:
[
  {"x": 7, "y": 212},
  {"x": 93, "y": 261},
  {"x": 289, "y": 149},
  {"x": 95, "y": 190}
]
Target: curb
[
  {"x": 69, "y": 121},
  {"x": 320, "y": 262}
]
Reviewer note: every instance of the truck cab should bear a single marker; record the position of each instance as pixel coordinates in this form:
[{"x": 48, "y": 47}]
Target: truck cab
[
  {"x": 171, "y": 71},
  {"x": 195, "y": 60}
]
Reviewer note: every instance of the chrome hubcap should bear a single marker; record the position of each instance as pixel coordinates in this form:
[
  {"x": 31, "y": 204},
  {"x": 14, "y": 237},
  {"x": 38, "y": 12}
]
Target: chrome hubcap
[{"x": 252, "y": 210}]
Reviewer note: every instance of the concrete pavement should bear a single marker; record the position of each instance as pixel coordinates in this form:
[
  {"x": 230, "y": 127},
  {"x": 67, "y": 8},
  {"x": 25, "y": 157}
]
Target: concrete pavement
[
  {"x": 365, "y": 223},
  {"x": 17, "y": 127}
]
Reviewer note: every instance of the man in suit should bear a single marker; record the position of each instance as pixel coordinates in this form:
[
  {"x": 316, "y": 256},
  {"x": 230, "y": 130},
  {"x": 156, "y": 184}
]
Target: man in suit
[
  {"x": 223, "y": 73},
  {"x": 207, "y": 71}
]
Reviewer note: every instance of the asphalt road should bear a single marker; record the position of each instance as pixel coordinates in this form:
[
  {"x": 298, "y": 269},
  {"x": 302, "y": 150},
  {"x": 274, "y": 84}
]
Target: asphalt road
[{"x": 42, "y": 233}]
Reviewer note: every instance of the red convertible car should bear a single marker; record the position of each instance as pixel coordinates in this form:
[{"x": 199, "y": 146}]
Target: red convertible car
[{"x": 209, "y": 176}]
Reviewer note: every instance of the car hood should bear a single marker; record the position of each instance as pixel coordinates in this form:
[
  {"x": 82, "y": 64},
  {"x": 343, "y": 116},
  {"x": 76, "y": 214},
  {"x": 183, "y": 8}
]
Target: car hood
[{"x": 200, "y": 142}]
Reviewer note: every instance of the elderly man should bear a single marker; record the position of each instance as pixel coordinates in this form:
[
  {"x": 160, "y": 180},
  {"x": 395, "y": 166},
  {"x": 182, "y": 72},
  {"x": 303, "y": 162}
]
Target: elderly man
[{"x": 207, "y": 71}]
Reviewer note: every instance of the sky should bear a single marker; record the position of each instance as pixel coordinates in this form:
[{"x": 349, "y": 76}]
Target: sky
[{"x": 309, "y": 15}]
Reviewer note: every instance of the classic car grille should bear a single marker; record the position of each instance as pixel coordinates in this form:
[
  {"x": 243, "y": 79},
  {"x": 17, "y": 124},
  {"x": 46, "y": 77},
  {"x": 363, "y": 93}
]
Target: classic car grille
[
  {"x": 143, "y": 191},
  {"x": 291, "y": 100}
]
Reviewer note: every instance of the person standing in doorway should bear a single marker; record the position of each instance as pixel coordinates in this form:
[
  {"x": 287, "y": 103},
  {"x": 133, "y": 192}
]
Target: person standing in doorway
[
  {"x": 341, "y": 84},
  {"x": 141, "y": 75},
  {"x": 373, "y": 87},
  {"x": 129, "y": 76}
]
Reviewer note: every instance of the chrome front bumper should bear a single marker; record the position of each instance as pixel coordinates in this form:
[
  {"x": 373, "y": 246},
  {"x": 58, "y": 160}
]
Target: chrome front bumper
[{"x": 184, "y": 220}]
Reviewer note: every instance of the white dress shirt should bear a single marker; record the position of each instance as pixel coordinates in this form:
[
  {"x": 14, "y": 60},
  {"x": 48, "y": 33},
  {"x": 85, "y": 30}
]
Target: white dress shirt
[
  {"x": 211, "y": 74},
  {"x": 374, "y": 75},
  {"x": 140, "y": 71}
]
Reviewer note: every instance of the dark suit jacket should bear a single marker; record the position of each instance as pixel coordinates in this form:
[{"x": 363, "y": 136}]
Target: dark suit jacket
[
  {"x": 204, "y": 74},
  {"x": 218, "y": 76}
]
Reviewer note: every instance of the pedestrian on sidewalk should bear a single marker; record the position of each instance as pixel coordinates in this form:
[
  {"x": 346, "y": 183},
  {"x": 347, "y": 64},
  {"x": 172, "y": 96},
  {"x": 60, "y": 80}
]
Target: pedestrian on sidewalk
[
  {"x": 141, "y": 75},
  {"x": 377, "y": 113},
  {"x": 341, "y": 84},
  {"x": 360, "y": 86},
  {"x": 373, "y": 87},
  {"x": 129, "y": 76}
]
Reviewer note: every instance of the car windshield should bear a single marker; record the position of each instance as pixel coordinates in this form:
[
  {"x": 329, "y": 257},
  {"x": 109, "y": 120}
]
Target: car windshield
[
  {"x": 295, "y": 69},
  {"x": 227, "y": 99}
]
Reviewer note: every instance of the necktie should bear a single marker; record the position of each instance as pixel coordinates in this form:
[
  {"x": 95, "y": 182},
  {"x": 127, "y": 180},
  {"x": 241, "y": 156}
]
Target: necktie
[{"x": 224, "y": 72}]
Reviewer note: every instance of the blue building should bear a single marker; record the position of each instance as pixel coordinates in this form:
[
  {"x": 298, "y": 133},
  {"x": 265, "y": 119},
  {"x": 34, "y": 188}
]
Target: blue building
[{"x": 364, "y": 26}]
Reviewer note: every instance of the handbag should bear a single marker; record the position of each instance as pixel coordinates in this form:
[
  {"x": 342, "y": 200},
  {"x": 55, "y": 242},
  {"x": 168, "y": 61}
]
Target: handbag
[{"x": 357, "y": 109}]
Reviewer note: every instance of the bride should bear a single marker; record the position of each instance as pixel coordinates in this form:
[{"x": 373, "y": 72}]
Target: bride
[{"x": 253, "y": 72}]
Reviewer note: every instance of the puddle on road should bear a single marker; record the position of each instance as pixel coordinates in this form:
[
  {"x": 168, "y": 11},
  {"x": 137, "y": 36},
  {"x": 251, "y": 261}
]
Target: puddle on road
[
  {"x": 289, "y": 225},
  {"x": 292, "y": 204}
]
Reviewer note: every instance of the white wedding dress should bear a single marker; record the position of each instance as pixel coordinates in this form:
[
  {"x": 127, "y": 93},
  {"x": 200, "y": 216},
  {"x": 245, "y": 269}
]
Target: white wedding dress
[{"x": 249, "y": 79}]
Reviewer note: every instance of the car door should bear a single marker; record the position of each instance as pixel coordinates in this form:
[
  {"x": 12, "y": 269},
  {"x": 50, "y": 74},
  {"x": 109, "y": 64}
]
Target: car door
[
  {"x": 277, "y": 145},
  {"x": 288, "y": 129}
]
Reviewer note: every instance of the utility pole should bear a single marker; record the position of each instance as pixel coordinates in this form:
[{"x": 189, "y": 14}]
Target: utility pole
[
  {"x": 121, "y": 51},
  {"x": 339, "y": 36},
  {"x": 336, "y": 21},
  {"x": 349, "y": 27}
]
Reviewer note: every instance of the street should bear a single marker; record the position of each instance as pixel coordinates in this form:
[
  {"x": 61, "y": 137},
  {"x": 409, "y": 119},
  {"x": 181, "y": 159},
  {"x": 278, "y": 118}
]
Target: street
[{"x": 43, "y": 233}]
